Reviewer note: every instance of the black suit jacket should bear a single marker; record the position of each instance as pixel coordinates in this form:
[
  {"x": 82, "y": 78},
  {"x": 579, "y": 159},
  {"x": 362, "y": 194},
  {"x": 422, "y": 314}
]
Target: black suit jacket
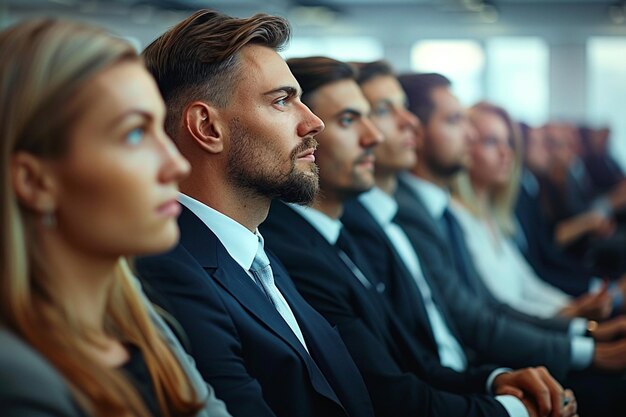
[
  {"x": 394, "y": 360},
  {"x": 241, "y": 344},
  {"x": 493, "y": 330},
  {"x": 547, "y": 259}
]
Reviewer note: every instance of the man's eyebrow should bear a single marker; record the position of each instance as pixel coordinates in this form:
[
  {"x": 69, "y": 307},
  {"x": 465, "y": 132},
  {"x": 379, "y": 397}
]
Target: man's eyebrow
[
  {"x": 349, "y": 111},
  {"x": 286, "y": 89},
  {"x": 384, "y": 101}
]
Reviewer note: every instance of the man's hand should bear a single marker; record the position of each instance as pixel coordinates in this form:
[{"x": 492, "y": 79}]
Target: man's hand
[
  {"x": 610, "y": 330},
  {"x": 541, "y": 394},
  {"x": 594, "y": 306},
  {"x": 610, "y": 356},
  {"x": 569, "y": 407}
]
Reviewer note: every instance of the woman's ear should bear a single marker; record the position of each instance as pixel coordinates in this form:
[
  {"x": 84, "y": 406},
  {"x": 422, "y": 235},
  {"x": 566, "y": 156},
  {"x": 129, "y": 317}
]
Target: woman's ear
[
  {"x": 33, "y": 182},
  {"x": 204, "y": 125}
]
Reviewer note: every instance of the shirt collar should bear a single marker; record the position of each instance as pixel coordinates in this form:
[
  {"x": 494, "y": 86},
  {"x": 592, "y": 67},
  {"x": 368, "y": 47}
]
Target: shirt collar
[
  {"x": 435, "y": 198},
  {"x": 328, "y": 227},
  {"x": 239, "y": 242},
  {"x": 380, "y": 205},
  {"x": 530, "y": 183}
]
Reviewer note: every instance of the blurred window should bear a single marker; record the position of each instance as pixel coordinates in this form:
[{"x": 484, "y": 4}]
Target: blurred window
[
  {"x": 461, "y": 60},
  {"x": 606, "y": 65},
  {"x": 517, "y": 77},
  {"x": 341, "y": 48}
]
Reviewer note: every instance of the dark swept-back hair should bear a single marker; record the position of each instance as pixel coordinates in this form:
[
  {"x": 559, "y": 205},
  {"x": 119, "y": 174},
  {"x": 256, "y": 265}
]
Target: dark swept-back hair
[
  {"x": 317, "y": 71},
  {"x": 369, "y": 70},
  {"x": 198, "y": 58},
  {"x": 418, "y": 89}
]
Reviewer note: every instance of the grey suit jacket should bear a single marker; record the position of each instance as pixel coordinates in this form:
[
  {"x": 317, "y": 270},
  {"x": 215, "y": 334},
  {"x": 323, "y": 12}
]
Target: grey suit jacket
[
  {"x": 31, "y": 387},
  {"x": 495, "y": 331}
]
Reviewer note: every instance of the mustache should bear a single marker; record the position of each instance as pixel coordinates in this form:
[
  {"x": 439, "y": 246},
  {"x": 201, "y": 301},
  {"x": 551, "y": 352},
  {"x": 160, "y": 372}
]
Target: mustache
[
  {"x": 307, "y": 143},
  {"x": 366, "y": 155}
]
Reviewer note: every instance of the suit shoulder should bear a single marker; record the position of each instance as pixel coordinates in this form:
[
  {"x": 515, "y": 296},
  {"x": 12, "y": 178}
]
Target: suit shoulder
[{"x": 29, "y": 383}]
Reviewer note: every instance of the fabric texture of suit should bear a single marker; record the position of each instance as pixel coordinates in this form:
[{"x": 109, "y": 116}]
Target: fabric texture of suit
[
  {"x": 241, "y": 344},
  {"x": 31, "y": 387},
  {"x": 391, "y": 357},
  {"x": 496, "y": 332}
]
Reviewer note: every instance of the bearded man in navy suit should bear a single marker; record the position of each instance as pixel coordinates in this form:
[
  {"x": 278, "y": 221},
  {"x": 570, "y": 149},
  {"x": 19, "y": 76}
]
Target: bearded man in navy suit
[{"x": 234, "y": 111}]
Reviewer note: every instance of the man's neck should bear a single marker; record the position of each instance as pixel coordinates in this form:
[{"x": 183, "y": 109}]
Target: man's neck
[
  {"x": 331, "y": 206},
  {"x": 387, "y": 182},
  {"x": 421, "y": 171},
  {"x": 246, "y": 208}
]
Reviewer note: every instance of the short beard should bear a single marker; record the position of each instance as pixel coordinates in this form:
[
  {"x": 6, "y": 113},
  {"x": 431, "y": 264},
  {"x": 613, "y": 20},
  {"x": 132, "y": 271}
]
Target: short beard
[
  {"x": 248, "y": 170},
  {"x": 441, "y": 170}
]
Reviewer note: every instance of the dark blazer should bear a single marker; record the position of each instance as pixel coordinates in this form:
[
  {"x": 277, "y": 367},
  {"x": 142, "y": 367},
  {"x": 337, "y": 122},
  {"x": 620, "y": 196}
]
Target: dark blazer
[
  {"x": 394, "y": 360},
  {"x": 241, "y": 344},
  {"x": 492, "y": 329},
  {"x": 547, "y": 259},
  {"x": 31, "y": 387}
]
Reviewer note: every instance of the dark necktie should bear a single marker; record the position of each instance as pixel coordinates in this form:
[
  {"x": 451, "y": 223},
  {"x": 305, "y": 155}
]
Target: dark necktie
[{"x": 459, "y": 251}]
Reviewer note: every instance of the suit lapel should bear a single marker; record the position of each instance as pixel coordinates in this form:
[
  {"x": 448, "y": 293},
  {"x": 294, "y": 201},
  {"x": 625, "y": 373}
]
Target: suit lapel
[
  {"x": 411, "y": 207},
  {"x": 358, "y": 216},
  {"x": 203, "y": 245}
]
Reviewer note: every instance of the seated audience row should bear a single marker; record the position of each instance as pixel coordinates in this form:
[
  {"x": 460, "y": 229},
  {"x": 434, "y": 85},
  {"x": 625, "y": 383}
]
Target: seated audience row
[{"x": 320, "y": 265}]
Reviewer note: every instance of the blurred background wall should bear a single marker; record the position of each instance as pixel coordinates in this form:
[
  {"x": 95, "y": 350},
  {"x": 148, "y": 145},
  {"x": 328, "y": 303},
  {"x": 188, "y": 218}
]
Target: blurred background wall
[{"x": 541, "y": 59}]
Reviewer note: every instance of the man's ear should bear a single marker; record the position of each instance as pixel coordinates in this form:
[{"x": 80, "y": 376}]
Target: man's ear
[
  {"x": 204, "y": 125},
  {"x": 33, "y": 182}
]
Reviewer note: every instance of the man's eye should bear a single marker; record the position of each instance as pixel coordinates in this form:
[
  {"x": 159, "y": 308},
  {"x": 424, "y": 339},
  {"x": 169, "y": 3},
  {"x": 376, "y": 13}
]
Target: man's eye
[
  {"x": 381, "y": 111},
  {"x": 346, "y": 121}
]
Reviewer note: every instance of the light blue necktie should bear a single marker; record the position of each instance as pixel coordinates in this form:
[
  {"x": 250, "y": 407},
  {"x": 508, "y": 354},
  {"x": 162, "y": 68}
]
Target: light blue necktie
[{"x": 262, "y": 272}]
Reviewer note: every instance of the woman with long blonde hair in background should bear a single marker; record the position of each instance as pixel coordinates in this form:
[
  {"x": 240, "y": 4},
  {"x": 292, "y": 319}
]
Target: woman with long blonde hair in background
[
  {"x": 484, "y": 198},
  {"x": 88, "y": 177}
]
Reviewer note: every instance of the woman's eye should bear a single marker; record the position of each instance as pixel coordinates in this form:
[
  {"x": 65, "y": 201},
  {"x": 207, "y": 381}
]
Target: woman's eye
[{"x": 135, "y": 136}]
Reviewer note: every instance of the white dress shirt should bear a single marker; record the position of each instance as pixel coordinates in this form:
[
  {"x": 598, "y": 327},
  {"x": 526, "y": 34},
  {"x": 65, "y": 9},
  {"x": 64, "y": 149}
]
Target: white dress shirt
[{"x": 504, "y": 270}]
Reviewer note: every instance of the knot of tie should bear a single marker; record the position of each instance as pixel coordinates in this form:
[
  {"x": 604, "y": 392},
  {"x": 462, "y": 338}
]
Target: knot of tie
[{"x": 261, "y": 261}]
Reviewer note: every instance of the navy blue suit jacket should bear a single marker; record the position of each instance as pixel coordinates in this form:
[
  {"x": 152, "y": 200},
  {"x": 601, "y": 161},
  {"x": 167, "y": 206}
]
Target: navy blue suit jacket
[
  {"x": 493, "y": 330},
  {"x": 241, "y": 344},
  {"x": 547, "y": 259},
  {"x": 400, "y": 365}
]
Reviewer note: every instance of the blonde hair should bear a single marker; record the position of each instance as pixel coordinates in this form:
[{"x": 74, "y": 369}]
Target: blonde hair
[
  {"x": 44, "y": 64},
  {"x": 502, "y": 200}
]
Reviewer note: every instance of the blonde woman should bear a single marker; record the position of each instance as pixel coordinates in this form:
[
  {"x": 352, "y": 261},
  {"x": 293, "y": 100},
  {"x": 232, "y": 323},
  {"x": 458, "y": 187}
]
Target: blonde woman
[
  {"x": 483, "y": 204},
  {"x": 88, "y": 177}
]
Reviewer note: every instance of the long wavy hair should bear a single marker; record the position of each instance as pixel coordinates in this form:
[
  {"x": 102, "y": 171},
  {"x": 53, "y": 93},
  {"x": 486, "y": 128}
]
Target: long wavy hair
[
  {"x": 44, "y": 64},
  {"x": 502, "y": 200}
]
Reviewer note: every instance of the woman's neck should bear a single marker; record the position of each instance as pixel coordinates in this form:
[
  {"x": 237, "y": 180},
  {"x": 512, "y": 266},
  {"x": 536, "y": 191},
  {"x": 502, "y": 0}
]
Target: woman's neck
[
  {"x": 481, "y": 193},
  {"x": 82, "y": 283}
]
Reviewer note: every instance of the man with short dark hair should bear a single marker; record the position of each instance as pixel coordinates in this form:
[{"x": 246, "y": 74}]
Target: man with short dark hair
[
  {"x": 397, "y": 359},
  {"x": 235, "y": 113}
]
